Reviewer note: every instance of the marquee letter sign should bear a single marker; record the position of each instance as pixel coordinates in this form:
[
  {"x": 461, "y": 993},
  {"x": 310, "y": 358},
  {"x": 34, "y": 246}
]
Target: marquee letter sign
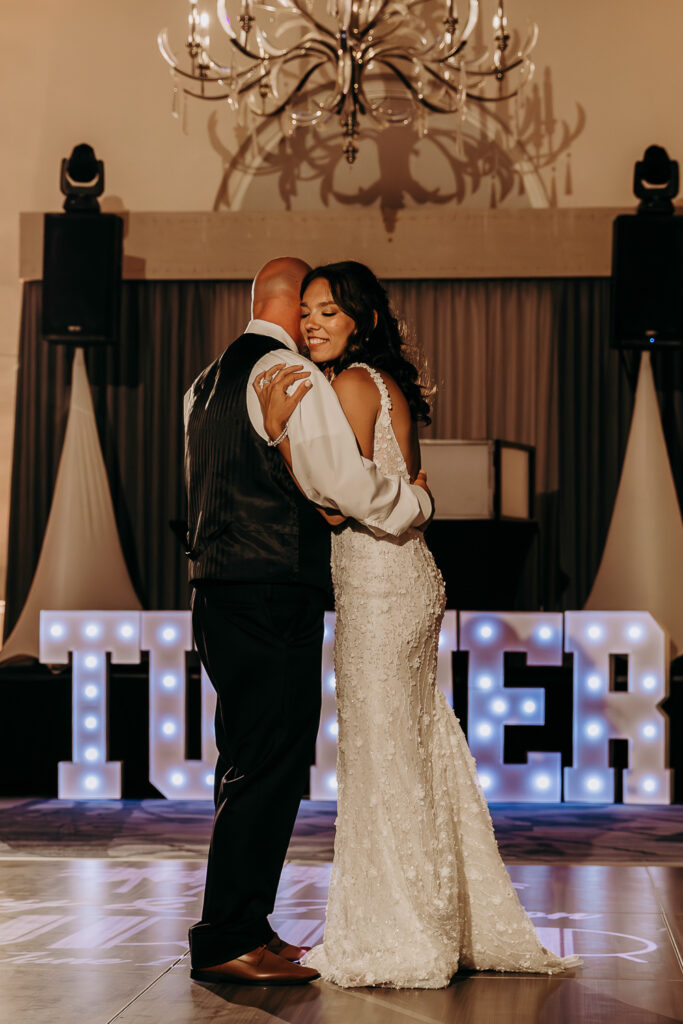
[
  {"x": 601, "y": 712},
  {"x": 492, "y": 706},
  {"x": 167, "y": 636},
  {"x": 89, "y": 636}
]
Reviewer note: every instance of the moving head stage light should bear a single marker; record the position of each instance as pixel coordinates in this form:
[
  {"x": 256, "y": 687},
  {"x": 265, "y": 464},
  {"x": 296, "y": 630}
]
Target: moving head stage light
[
  {"x": 647, "y": 260},
  {"x": 82, "y": 258}
]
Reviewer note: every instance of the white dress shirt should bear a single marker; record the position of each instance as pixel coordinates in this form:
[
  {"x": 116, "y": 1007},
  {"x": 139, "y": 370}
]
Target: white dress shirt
[{"x": 326, "y": 459}]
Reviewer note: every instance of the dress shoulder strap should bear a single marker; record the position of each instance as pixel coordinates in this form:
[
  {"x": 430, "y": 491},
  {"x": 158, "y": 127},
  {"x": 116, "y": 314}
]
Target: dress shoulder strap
[{"x": 381, "y": 386}]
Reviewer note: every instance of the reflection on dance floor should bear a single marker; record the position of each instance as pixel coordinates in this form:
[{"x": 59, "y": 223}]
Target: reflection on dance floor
[{"x": 97, "y": 940}]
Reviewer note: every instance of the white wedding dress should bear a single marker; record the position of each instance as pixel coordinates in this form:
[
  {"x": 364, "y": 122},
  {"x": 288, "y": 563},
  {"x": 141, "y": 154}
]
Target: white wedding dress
[{"x": 418, "y": 888}]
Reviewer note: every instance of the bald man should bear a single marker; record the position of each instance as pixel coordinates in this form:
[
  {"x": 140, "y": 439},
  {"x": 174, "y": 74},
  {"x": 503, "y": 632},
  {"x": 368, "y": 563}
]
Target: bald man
[{"x": 260, "y": 575}]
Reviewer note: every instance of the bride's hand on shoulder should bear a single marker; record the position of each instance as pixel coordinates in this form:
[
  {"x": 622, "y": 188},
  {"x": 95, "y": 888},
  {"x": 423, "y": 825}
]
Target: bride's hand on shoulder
[{"x": 271, "y": 389}]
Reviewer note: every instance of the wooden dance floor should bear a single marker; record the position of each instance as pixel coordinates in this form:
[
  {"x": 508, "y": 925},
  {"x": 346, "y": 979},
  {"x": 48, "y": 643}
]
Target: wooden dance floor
[{"x": 94, "y": 918}]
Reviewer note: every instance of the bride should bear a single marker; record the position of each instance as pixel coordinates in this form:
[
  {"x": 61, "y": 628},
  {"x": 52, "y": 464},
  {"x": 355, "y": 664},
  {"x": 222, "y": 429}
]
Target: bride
[{"x": 418, "y": 889}]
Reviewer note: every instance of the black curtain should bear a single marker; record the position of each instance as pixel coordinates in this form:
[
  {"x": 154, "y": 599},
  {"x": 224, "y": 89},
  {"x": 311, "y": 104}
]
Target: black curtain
[
  {"x": 171, "y": 330},
  {"x": 595, "y": 397}
]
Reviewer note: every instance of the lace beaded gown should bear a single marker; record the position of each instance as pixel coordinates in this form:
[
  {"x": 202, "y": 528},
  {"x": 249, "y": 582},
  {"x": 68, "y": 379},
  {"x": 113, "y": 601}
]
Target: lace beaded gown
[{"x": 418, "y": 888}]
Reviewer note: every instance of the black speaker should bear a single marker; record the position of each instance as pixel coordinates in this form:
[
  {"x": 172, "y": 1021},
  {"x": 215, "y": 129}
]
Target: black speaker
[
  {"x": 647, "y": 281},
  {"x": 82, "y": 257}
]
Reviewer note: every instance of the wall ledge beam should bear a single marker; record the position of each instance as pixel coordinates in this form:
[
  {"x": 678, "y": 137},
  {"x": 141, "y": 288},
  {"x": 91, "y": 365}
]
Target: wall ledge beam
[{"x": 423, "y": 244}]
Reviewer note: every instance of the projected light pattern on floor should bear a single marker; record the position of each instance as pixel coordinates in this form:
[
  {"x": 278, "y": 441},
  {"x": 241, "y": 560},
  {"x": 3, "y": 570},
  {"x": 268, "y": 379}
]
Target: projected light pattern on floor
[{"x": 600, "y": 712}]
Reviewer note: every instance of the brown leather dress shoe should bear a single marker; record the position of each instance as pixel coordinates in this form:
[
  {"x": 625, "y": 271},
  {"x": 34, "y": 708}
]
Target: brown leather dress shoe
[
  {"x": 285, "y": 950},
  {"x": 258, "y": 967}
]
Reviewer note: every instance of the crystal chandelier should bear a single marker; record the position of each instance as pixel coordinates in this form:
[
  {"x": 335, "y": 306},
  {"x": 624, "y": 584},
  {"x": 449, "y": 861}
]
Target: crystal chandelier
[{"x": 394, "y": 61}]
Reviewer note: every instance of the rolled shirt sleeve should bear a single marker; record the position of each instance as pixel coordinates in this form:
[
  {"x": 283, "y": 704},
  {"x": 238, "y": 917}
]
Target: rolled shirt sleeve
[{"x": 328, "y": 464}]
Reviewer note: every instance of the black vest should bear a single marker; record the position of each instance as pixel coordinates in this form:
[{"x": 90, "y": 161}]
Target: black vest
[{"x": 247, "y": 519}]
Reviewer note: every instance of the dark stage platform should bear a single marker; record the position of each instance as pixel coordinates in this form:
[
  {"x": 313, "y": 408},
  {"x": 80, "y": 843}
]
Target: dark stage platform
[{"x": 97, "y": 897}]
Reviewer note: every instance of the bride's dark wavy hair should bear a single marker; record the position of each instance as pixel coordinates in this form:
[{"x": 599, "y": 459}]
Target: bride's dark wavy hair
[{"x": 359, "y": 294}]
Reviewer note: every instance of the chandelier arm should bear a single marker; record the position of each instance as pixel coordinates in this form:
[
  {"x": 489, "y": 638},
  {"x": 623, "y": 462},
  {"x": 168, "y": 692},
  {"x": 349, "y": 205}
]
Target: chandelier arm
[
  {"x": 293, "y": 92},
  {"x": 220, "y": 79},
  {"x": 401, "y": 10},
  {"x": 215, "y": 66},
  {"x": 491, "y": 99},
  {"x": 521, "y": 55},
  {"x": 240, "y": 44},
  {"x": 308, "y": 42},
  {"x": 382, "y": 117},
  {"x": 292, "y": 8},
  {"x": 166, "y": 51},
  {"x": 307, "y": 16},
  {"x": 244, "y": 86},
  {"x": 472, "y": 19},
  {"x": 224, "y": 22},
  {"x": 461, "y": 38},
  {"x": 378, "y": 15},
  {"x": 421, "y": 99},
  {"x": 206, "y": 79},
  {"x": 531, "y": 39},
  {"x": 204, "y": 96},
  {"x": 494, "y": 72},
  {"x": 388, "y": 48}
]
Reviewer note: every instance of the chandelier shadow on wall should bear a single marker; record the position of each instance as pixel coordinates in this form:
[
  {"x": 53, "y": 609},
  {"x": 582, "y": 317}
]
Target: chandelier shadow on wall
[{"x": 304, "y": 61}]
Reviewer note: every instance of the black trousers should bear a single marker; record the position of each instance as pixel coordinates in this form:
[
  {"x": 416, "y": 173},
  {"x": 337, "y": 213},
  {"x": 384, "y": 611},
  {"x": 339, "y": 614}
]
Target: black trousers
[{"x": 261, "y": 645}]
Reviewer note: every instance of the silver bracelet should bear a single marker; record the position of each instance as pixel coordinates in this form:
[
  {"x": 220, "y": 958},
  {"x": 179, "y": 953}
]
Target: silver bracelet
[{"x": 276, "y": 442}]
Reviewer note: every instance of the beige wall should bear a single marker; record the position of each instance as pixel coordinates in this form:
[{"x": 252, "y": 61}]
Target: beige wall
[{"x": 86, "y": 70}]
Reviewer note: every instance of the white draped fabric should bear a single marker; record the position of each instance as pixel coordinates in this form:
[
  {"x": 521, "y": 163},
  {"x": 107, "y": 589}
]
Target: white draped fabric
[
  {"x": 642, "y": 564},
  {"x": 81, "y": 565}
]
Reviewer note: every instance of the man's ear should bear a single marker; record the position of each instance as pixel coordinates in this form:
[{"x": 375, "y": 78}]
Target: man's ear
[{"x": 374, "y": 316}]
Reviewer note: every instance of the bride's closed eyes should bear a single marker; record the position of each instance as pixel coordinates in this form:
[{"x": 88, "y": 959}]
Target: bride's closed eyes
[{"x": 325, "y": 327}]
